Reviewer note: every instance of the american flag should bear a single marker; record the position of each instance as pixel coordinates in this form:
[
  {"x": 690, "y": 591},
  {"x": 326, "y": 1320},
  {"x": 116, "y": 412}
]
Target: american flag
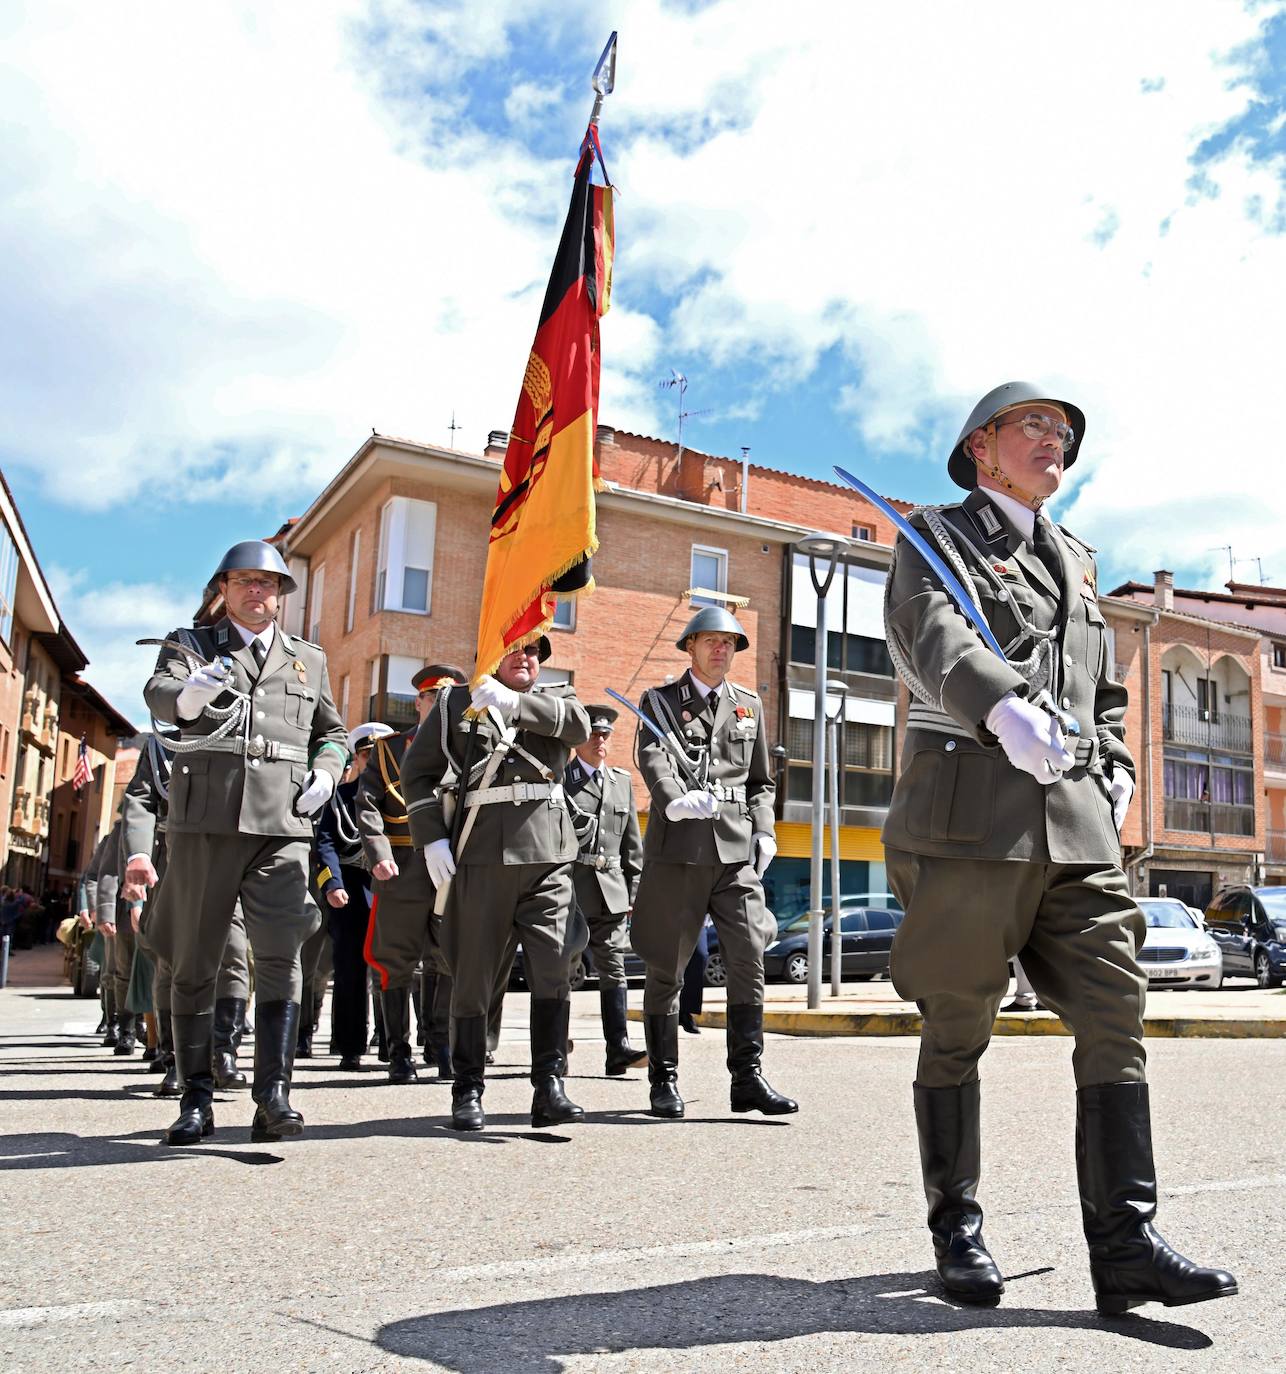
[{"x": 83, "y": 774}]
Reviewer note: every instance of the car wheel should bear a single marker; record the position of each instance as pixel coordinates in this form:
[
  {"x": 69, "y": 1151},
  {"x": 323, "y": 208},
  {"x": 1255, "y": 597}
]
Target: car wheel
[
  {"x": 796, "y": 968},
  {"x": 579, "y": 977},
  {"x": 716, "y": 973},
  {"x": 1264, "y": 974}
]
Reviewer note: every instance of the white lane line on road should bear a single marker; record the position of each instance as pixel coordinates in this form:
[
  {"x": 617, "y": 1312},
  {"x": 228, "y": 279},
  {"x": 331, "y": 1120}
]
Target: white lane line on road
[
  {"x": 68, "y": 1312},
  {"x": 608, "y": 1259}
]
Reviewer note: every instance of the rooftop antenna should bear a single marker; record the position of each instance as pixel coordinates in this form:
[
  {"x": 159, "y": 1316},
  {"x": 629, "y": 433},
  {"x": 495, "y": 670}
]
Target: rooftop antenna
[
  {"x": 1259, "y": 565},
  {"x": 1225, "y": 548},
  {"x": 453, "y": 427},
  {"x": 678, "y": 382}
]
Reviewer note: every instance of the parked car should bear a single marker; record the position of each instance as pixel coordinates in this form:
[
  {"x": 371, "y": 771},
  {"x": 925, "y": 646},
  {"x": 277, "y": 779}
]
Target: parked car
[
  {"x": 1176, "y": 952},
  {"x": 583, "y": 974},
  {"x": 1249, "y": 925},
  {"x": 866, "y": 936}
]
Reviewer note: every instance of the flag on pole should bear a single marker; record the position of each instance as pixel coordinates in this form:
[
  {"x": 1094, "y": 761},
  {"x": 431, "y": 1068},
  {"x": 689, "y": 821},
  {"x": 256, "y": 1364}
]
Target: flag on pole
[
  {"x": 83, "y": 774},
  {"x": 543, "y": 525}
]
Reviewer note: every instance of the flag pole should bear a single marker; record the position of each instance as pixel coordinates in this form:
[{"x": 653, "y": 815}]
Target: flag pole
[{"x": 604, "y": 79}]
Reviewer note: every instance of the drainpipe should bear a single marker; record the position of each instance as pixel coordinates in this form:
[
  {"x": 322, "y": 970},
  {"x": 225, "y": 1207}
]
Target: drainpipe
[
  {"x": 1148, "y": 813},
  {"x": 745, "y": 477}
]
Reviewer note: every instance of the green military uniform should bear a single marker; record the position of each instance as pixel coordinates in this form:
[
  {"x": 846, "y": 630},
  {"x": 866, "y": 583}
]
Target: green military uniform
[
  {"x": 513, "y": 876},
  {"x": 100, "y": 884}
]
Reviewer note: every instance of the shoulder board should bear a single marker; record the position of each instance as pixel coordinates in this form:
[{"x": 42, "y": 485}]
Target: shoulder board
[
  {"x": 745, "y": 691},
  {"x": 290, "y": 641},
  {"x": 620, "y": 772},
  {"x": 1076, "y": 539}
]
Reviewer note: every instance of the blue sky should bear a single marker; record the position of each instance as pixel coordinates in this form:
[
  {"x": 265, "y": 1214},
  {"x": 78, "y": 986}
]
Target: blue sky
[{"x": 219, "y": 273}]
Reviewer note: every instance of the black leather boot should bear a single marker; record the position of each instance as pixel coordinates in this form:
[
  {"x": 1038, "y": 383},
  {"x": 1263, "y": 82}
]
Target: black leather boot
[
  {"x": 751, "y": 1091},
  {"x": 229, "y": 1016},
  {"x": 468, "y": 1058},
  {"x": 437, "y": 1046},
  {"x": 111, "y": 1034},
  {"x": 276, "y": 1035},
  {"x": 425, "y": 1034},
  {"x": 550, "y": 1105},
  {"x": 169, "y": 1085},
  {"x": 195, "y": 1120},
  {"x": 396, "y": 1003},
  {"x": 126, "y": 1034},
  {"x": 951, "y": 1160},
  {"x": 621, "y": 1055},
  {"x": 1130, "y": 1262},
  {"x": 662, "y": 1036}
]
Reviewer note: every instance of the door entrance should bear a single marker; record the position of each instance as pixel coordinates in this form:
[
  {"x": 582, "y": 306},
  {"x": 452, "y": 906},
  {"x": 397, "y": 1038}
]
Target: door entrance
[{"x": 1196, "y": 889}]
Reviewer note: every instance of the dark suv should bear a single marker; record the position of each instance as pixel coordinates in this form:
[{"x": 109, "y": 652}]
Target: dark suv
[{"x": 1249, "y": 926}]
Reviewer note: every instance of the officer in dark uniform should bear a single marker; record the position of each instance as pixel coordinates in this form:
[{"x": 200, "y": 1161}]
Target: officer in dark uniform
[
  {"x": 606, "y": 876},
  {"x": 261, "y": 749},
  {"x": 1002, "y": 839},
  {"x": 709, "y": 840},
  {"x": 510, "y": 870}
]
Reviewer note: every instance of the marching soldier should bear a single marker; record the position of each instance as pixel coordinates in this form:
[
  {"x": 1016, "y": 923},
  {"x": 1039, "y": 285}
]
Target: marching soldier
[
  {"x": 511, "y": 870},
  {"x": 261, "y": 748},
  {"x": 1003, "y": 839},
  {"x": 101, "y": 887},
  {"x": 606, "y": 875},
  {"x": 709, "y": 840},
  {"x": 403, "y": 928}
]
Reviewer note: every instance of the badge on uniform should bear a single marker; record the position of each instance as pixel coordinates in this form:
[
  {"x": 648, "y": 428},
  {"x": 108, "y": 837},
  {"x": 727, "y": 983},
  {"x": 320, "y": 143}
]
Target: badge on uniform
[
  {"x": 745, "y": 713},
  {"x": 988, "y": 521},
  {"x": 298, "y": 666}
]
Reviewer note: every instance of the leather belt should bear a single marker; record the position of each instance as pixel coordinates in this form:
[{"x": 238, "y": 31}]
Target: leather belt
[
  {"x": 517, "y": 792},
  {"x": 726, "y": 793},
  {"x": 599, "y": 862},
  {"x": 1088, "y": 753},
  {"x": 269, "y": 750}
]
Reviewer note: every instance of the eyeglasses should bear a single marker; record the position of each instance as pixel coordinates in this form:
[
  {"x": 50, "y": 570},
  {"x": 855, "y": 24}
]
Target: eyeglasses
[
  {"x": 1036, "y": 426},
  {"x": 269, "y": 582},
  {"x": 527, "y": 651}
]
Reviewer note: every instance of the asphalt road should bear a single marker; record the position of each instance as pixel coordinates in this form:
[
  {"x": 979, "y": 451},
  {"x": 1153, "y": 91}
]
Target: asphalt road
[{"x": 381, "y": 1241}]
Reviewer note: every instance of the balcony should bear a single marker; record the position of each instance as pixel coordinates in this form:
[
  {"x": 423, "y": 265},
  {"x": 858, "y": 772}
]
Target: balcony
[
  {"x": 1193, "y": 725},
  {"x": 1275, "y": 751},
  {"x": 1209, "y": 818},
  {"x": 1275, "y": 848}
]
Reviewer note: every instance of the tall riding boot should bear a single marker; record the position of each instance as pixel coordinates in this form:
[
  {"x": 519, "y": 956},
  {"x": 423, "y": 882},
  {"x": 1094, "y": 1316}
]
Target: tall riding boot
[
  {"x": 169, "y": 1085},
  {"x": 192, "y": 1038},
  {"x": 751, "y": 1091},
  {"x": 397, "y": 1026},
  {"x": 126, "y": 1033},
  {"x": 381, "y": 1035},
  {"x": 951, "y": 1160},
  {"x": 151, "y": 1049},
  {"x": 621, "y": 1055},
  {"x": 229, "y": 1014},
  {"x": 303, "y": 1048},
  {"x": 1130, "y": 1263},
  {"x": 468, "y": 1061},
  {"x": 550, "y": 1105},
  {"x": 662, "y": 1036},
  {"x": 438, "y": 1043},
  {"x": 276, "y": 1035}
]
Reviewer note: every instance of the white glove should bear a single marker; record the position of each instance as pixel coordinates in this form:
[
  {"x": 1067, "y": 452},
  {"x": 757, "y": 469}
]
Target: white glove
[
  {"x": 765, "y": 851},
  {"x": 1031, "y": 738},
  {"x": 1121, "y": 790},
  {"x": 693, "y": 806},
  {"x": 492, "y": 693},
  {"x": 202, "y": 686},
  {"x": 438, "y": 860},
  {"x": 316, "y": 792}
]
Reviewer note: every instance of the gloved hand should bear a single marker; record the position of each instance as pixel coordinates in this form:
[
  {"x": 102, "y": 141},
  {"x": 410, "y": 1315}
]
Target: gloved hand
[
  {"x": 315, "y": 793},
  {"x": 765, "y": 851},
  {"x": 491, "y": 692},
  {"x": 693, "y": 806},
  {"x": 1031, "y": 738},
  {"x": 202, "y": 686},
  {"x": 438, "y": 860},
  {"x": 1121, "y": 790}
]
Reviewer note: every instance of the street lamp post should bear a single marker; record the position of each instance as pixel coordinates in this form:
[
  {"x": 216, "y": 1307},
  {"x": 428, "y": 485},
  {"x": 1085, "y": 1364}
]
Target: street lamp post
[
  {"x": 835, "y": 725},
  {"x": 823, "y": 552}
]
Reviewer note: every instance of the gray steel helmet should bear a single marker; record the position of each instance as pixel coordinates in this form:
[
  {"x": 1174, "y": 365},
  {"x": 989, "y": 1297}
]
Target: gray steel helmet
[
  {"x": 713, "y": 619},
  {"x": 961, "y": 466},
  {"x": 257, "y": 556}
]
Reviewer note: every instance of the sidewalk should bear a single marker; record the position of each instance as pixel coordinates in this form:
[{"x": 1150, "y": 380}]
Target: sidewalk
[{"x": 1238, "y": 1011}]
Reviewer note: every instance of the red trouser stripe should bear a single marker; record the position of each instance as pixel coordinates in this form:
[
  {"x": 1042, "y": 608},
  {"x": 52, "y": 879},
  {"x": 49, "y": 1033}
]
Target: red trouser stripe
[{"x": 370, "y": 939}]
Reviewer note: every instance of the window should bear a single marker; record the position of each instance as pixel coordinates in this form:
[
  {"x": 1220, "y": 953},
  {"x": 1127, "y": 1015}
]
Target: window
[
  {"x": 864, "y": 532},
  {"x": 315, "y": 605},
  {"x": 881, "y": 920},
  {"x": 1279, "y": 654},
  {"x": 851, "y": 653},
  {"x": 8, "y": 581},
  {"x": 565, "y": 613},
  {"x": 403, "y": 581},
  {"x": 550, "y": 677},
  {"x": 850, "y": 922},
  {"x": 354, "y": 553},
  {"x": 1208, "y": 699},
  {"x": 709, "y": 572},
  {"x": 343, "y": 699}
]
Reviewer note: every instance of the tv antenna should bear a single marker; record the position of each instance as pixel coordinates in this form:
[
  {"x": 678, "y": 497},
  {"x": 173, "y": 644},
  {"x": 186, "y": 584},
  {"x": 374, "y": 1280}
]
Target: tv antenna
[
  {"x": 1259, "y": 565},
  {"x": 1226, "y": 548},
  {"x": 453, "y": 427},
  {"x": 678, "y": 382}
]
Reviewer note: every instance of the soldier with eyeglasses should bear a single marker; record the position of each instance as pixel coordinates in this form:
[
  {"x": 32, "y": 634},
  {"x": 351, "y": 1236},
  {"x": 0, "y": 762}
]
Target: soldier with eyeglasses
[{"x": 1003, "y": 839}]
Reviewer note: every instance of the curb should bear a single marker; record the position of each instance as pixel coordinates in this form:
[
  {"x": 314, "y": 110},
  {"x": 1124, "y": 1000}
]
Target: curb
[{"x": 849, "y": 1024}]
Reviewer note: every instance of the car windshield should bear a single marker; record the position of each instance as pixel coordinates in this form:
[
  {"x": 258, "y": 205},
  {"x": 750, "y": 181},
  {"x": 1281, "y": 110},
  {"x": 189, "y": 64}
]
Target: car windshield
[
  {"x": 1167, "y": 916},
  {"x": 1273, "y": 900}
]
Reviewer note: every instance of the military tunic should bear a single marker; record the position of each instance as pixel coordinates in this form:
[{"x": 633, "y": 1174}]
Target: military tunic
[
  {"x": 986, "y": 861},
  {"x": 691, "y": 867}
]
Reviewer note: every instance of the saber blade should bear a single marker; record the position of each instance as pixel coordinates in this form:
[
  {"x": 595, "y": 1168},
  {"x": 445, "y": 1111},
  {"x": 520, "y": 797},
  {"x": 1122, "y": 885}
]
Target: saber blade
[{"x": 664, "y": 740}]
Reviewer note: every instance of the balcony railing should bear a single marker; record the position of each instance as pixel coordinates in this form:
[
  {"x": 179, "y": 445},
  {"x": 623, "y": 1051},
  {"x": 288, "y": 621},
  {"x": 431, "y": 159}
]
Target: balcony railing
[
  {"x": 1275, "y": 848},
  {"x": 1191, "y": 725},
  {"x": 1274, "y": 750},
  {"x": 1209, "y": 818}
]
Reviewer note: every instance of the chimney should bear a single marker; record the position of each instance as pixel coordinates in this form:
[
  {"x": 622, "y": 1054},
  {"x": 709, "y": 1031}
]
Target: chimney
[
  {"x": 605, "y": 434},
  {"x": 1163, "y": 589},
  {"x": 497, "y": 443}
]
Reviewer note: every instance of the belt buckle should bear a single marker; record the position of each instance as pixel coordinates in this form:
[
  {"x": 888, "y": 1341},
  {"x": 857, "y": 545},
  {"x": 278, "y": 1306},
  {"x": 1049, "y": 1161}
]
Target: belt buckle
[{"x": 256, "y": 747}]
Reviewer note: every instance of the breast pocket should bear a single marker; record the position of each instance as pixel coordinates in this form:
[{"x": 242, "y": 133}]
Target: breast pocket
[
  {"x": 189, "y": 788},
  {"x": 1095, "y": 639},
  {"x": 300, "y": 701}
]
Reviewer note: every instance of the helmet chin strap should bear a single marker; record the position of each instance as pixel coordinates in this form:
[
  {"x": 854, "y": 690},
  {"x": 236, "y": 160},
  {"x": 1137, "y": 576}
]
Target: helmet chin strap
[{"x": 992, "y": 468}]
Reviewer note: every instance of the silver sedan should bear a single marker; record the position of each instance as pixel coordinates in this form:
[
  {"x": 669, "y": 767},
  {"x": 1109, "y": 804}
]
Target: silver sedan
[{"x": 1176, "y": 952}]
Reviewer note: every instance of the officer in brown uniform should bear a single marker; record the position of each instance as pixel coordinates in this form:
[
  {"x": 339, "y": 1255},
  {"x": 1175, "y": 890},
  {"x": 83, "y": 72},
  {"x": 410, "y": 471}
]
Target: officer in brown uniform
[
  {"x": 261, "y": 749},
  {"x": 403, "y": 928},
  {"x": 606, "y": 876},
  {"x": 511, "y": 873},
  {"x": 709, "y": 840},
  {"x": 1002, "y": 839}
]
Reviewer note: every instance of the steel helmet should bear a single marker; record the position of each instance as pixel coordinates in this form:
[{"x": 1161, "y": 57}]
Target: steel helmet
[
  {"x": 257, "y": 556},
  {"x": 713, "y": 620},
  {"x": 961, "y": 466}
]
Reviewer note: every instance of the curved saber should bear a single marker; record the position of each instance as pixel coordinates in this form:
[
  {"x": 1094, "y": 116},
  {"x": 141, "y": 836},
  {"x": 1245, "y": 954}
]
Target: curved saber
[{"x": 664, "y": 739}]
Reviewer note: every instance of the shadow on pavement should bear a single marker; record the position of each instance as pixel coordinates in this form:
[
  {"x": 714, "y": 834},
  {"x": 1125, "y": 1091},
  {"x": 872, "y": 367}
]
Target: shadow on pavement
[
  {"x": 62, "y": 1150},
  {"x": 512, "y": 1338}
]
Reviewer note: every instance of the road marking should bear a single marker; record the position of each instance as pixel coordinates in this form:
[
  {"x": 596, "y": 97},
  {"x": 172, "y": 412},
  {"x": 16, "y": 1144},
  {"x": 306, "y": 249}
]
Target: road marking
[{"x": 68, "y": 1312}]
